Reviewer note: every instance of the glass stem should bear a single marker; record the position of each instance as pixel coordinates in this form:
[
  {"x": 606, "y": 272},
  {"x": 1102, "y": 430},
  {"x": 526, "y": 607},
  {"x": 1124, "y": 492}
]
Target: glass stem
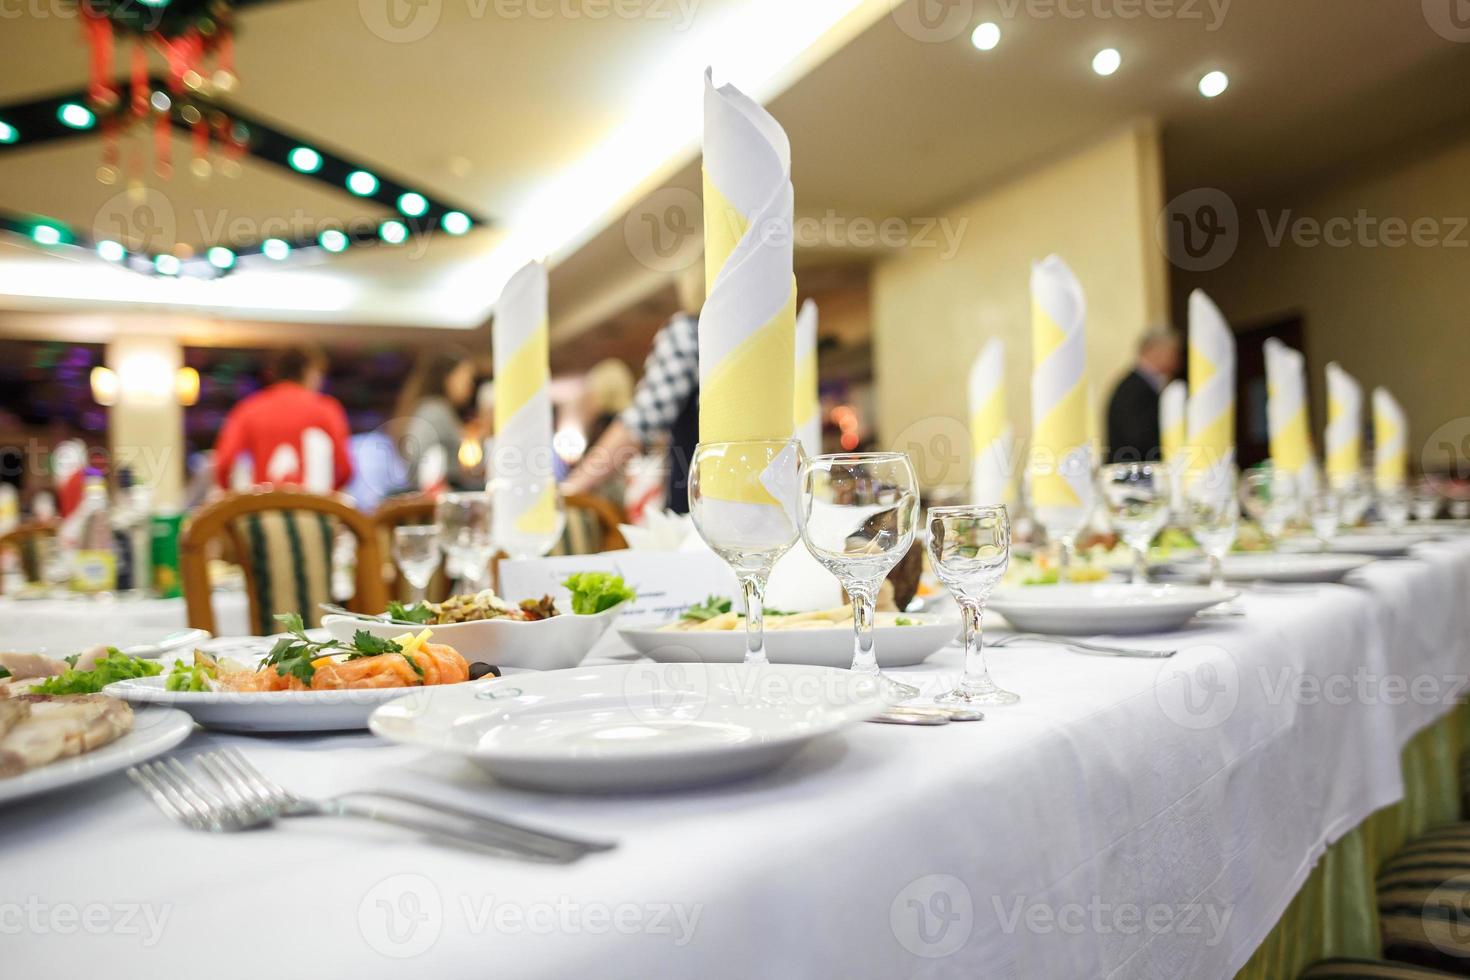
[
  {"x": 1069, "y": 553},
  {"x": 864, "y": 609},
  {"x": 1140, "y": 565},
  {"x": 1217, "y": 571},
  {"x": 753, "y": 588},
  {"x": 977, "y": 676}
]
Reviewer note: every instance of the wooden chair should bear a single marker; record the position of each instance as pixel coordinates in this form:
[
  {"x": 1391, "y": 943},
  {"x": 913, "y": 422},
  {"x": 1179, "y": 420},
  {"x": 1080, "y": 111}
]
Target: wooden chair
[
  {"x": 27, "y": 540},
  {"x": 592, "y": 526},
  {"x": 405, "y": 511},
  {"x": 285, "y": 538}
]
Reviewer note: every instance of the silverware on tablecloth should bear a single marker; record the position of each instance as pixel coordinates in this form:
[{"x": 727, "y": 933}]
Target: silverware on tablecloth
[
  {"x": 236, "y": 797},
  {"x": 926, "y": 714},
  {"x": 332, "y": 607},
  {"x": 1083, "y": 646}
]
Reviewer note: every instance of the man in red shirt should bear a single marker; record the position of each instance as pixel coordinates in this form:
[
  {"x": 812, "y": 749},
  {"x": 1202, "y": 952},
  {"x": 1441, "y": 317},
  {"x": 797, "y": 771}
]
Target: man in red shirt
[{"x": 293, "y": 433}]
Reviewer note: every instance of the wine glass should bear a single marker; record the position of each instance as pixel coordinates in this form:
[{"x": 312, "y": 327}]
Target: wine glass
[
  {"x": 1354, "y": 497},
  {"x": 464, "y": 521},
  {"x": 1393, "y": 506},
  {"x": 1064, "y": 522},
  {"x": 1271, "y": 498},
  {"x": 858, "y": 517},
  {"x": 969, "y": 547},
  {"x": 1210, "y": 501},
  {"x": 743, "y": 498},
  {"x": 1325, "y": 512},
  {"x": 1426, "y": 501},
  {"x": 1137, "y": 495},
  {"x": 416, "y": 552},
  {"x": 526, "y": 525}
]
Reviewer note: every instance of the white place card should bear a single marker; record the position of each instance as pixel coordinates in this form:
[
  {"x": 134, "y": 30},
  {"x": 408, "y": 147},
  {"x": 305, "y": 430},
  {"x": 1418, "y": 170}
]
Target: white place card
[{"x": 667, "y": 582}]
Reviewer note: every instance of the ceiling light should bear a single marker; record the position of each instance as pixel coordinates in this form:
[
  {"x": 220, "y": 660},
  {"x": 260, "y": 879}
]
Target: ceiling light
[
  {"x": 412, "y": 204},
  {"x": 8, "y": 133},
  {"x": 111, "y": 251},
  {"x": 362, "y": 183},
  {"x": 304, "y": 160},
  {"x": 455, "y": 222},
  {"x": 1213, "y": 84},
  {"x": 160, "y": 101},
  {"x": 275, "y": 249},
  {"x": 46, "y": 235},
  {"x": 75, "y": 116},
  {"x": 393, "y": 232},
  {"x": 333, "y": 240},
  {"x": 986, "y": 36},
  {"x": 1106, "y": 61},
  {"x": 167, "y": 265},
  {"x": 220, "y": 257}
]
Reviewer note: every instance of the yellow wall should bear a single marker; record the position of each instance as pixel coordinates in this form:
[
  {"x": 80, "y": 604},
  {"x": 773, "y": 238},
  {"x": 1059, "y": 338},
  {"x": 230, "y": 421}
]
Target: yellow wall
[
  {"x": 932, "y": 314},
  {"x": 1397, "y": 316}
]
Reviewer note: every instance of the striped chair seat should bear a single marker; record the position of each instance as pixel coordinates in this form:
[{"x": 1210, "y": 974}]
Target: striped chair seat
[
  {"x": 1349, "y": 969},
  {"x": 583, "y": 534},
  {"x": 1424, "y": 900},
  {"x": 287, "y": 556}
]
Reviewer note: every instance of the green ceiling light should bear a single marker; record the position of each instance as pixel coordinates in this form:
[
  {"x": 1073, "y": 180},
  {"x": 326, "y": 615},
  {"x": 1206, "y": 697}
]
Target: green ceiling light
[
  {"x": 413, "y": 205},
  {"x": 76, "y": 116},
  {"x": 8, "y": 133},
  {"x": 304, "y": 160},
  {"x": 276, "y": 249},
  {"x": 333, "y": 240},
  {"x": 220, "y": 257},
  {"x": 393, "y": 232},
  {"x": 362, "y": 183},
  {"x": 111, "y": 251},
  {"x": 44, "y": 234},
  {"x": 167, "y": 265},
  {"x": 455, "y": 222}
]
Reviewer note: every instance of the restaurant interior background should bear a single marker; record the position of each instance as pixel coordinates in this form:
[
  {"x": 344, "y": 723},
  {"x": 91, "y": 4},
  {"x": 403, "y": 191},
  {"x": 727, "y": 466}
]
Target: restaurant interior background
[{"x": 1319, "y": 193}]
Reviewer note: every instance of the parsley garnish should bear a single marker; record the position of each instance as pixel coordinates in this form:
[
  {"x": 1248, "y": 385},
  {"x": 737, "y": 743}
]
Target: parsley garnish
[
  {"x": 4, "y": 673},
  {"x": 708, "y": 609},
  {"x": 294, "y": 653},
  {"x": 419, "y": 612}
]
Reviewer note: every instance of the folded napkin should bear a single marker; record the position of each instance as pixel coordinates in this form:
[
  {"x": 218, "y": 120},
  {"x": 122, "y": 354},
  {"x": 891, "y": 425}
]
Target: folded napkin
[
  {"x": 524, "y": 485},
  {"x": 1390, "y": 441},
  {"x": 1210, "y": 430},
  {"x": 660, "y": 530},
  {"x": 1286, "y": 412},
  {"x": 1172, "y": 405},
  {"x": 991, "y": 436},
  {"x": 808, "y": 403},
  {"x": 1344, "y": 435},
  {"x": 1061, "y": 449}
]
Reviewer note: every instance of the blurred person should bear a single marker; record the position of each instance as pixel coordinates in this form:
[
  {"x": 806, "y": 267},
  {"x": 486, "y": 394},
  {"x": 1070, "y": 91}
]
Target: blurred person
[
  {"x": 1133, "y": 410},
  {"x": 378, "y": 471},
  {"x": 665, "y": 406},
  {"x": 271, "y": 425},
  {"x": 606, "y": 393},
  {"x": 429, "y": 413}
]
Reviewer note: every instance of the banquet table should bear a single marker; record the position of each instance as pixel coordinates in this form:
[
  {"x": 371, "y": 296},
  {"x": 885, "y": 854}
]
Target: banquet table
[
  {"x": 1128, "y": 818},
  {"x": 74, "y": 622}
]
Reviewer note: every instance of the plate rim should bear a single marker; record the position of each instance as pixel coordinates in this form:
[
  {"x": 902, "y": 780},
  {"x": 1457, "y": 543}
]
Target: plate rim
[{"x": 104, "y": 761}]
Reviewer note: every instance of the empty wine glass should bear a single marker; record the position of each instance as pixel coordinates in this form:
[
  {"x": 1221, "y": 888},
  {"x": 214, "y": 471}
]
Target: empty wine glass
[
  {"x": 529, "y": 516},
  {"x": 969, "y": 547},
  {"x": 1426, "y": 501},
  {"x": 1137, "y": 495},
  {"x": 465, "y": 527},
  {"x": 1210, "y": 501},
  {"x": 1325, "y": 512},
  {"x": 1271, "y": 498},
  {"x": 858, "y": 517},
  {"x": 416, "y": 552},
  {"x": 1393, "y": 507},
  {"x": 1063, "y": 523},
  {"x": 1354, "y": 497},
  {"x": 744, "y": 498}
]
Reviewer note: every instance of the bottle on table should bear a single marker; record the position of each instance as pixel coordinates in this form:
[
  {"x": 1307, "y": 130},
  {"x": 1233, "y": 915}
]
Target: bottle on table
[{"x": 94, "y": 562}]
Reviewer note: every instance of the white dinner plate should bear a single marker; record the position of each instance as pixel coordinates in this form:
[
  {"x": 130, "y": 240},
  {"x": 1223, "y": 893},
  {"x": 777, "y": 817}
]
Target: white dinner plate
[
  {"x": 155, "y": 731},
  {"x": 1379, "y": 545},
  {"x": 546, "y": 644},
  {"x": 64, "y": 638},
  {"x": 1277, "y": 567},
  {"x": 631, "y": 727},
  {"x": 830, "y": 646},
  {"x": 1103, "y": 607}
]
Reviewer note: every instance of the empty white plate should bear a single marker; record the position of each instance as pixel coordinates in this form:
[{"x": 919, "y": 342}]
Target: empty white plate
[
  {"x": 1103, "y": 607},
  {"x": 1377, "y": 545},
  {"x": 1277, "y": 567},
  {"x": 631, "y": 727},
  {"x": 828, "y": 646}
]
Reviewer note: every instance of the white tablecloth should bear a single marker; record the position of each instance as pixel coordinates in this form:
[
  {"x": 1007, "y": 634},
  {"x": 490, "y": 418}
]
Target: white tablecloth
[
  {"x": 1128, "y": 818},
  {"x": 66, "y": 625}
]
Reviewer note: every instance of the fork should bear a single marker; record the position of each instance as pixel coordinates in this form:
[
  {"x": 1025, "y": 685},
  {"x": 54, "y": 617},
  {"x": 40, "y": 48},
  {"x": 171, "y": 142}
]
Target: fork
[
  {"x": 242, "y": 798},
  {"x": 1083, "y": 646}
]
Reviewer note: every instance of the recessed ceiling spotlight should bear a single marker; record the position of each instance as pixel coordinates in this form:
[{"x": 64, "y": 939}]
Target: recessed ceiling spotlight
[
  {"x": 111, "y": 251},
  {"x": 412, "y": 204},
  {"x": 46, "y": 235},
  {"x": 1213, "y": 84},
  {"x": 304, "y": 160},
  {"x": 362, "y": 183},
  {"x": 986, "y": 36},
  {"x": 1106, "y": 61},
  {"x": 333, "y": 240},
  {"x": 276, "y": 249},
  {"x": 455, "y": 222},
  {"x": 393, "y": 232},
  {"x": 167, "y": 265},
  {"x": 8, "y": 133},
  {"x": 220, "y": 257},
  {"x": 75, "y": 116}
]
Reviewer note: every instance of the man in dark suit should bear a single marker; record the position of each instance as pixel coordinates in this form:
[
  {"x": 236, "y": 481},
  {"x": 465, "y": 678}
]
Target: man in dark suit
[{"x": 1133, "y": 411}]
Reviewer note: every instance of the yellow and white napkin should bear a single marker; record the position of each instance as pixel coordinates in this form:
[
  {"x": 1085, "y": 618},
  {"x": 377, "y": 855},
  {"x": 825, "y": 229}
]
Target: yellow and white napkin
[
  {"x": 808, "y": 404},
  {"x": 1210, "y": 430},
  {"x": 1173, "y": 404},
  {"x": 1344, "y": 435},
  {"x": 1286, "y": 412},
  {"x": 1390, "y": 442},
  {"x": 1061, "y": 450},
  {"x": 524, "y": 486},
  {"x": 991, "y": 436},
  {"x": 747, "y": 329}
]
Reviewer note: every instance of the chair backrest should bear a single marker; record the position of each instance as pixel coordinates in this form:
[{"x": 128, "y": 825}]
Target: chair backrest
[
  {"x": 404, "y": 511},
  {"x": 592, "y": 526},
  {"x": 284, "y": 539},
  {"x": 27, "y": 540}
]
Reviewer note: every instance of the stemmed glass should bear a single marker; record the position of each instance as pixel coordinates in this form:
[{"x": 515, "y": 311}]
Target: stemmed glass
[
  {"x": 416, "y": 552},
  {"x": 1137, "y": 496},
  {"x": 969, "y": 548},
  {"x": 1271, "y": 499},
  {"x": 858, "y": 518},
  {"x": 1325, "y": 511},
  {"x": 1393, "y": 507},
  {"x": 1064, "y": 523},
  {"x": 1210, "y": 501},
  {"x": 518, "y": 537},
  {"x": 1426, "y": 501},
  {"x": 465, "y": 526},
  {"x": 743, "y": 498},
  {"x": 1354, "y": 496}
]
